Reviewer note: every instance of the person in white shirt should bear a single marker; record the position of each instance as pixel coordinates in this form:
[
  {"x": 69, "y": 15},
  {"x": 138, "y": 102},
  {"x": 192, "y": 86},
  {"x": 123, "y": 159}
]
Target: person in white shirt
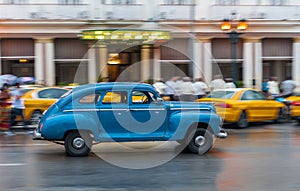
[
  {"x": 217, "y": 83},
  {"x": 273, "y": 87},
  {"x": 288, "y": 86},
  {"x": 229, "y": 83},
  {"x": 17, "y": 106},
  {"x": 160, "y": 86},
  {"x": 187, "y": 90},
  {"x": 170, "y": 89},
  {"x": 200, "y": 88}
]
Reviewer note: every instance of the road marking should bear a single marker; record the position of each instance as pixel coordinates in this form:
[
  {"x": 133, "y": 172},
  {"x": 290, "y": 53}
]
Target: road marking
[
  {"x": 22, "y": 145},
  {"x": 12, "y": 164}
]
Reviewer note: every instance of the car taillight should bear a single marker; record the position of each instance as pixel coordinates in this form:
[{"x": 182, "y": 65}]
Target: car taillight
[
  {"x": 223, "y": 105},
  {"x": 296, "y": 103}
]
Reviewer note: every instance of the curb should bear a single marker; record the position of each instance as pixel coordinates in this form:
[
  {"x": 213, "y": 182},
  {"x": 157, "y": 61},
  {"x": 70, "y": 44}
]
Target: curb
[{"x": 27, "y": 127}]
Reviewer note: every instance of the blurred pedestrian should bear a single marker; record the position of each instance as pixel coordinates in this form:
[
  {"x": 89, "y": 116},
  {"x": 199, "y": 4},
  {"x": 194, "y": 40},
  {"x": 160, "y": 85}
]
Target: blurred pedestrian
[
  {"x": 173, "y": 88},
  {"x": 5, "y": 109},
  {"x": 287, "y": 86},
  {"x": 160, "y": 86},
  {"x": 273, "y": 86},
  {"x": 265, "y": 85},
  {"x": 217, "y": 83},
  {"x": 187, "y": 89},
  {"x": 17, "y": 106},
  {"x": 200, "y": 88},
  {"x": 229, "y": 83}
]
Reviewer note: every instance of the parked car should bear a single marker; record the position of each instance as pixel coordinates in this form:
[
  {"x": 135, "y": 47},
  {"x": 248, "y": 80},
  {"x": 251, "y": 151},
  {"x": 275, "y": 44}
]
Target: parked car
[
  {"x": 126, "y": 112},
  {"x": 243, "y": 105},
  {"x": 38, "y": 100}
]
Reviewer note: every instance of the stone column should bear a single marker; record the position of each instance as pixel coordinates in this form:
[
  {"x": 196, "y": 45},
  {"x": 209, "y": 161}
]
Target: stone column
[
  {"x": 248, "y": 63},
  {"x": 252, "y": 63},
  {"x": 198, "y": 55},
  {"x": 296, "y": 62},
  {"x": 92, "y": 77},
  {"x": 39, "y": 67},
  {"x": 258, "y": 64},
  {"x": 44, "y": 65},
  {"x": 145, "y": 62},
  {"x": 207, "y": 59},
  {"x": 103, "y": 58},
  {"x": 157, "y": 64},
  {"x": 50, "y": 64}
]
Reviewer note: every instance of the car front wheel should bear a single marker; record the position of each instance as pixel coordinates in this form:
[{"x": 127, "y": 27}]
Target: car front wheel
[
  {"x": 201, "y": 142},
  {"x": 78, "y": 144}
]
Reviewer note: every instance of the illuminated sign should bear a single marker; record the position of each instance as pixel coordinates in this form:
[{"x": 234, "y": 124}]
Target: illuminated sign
[{"x": 141, "y": 36}]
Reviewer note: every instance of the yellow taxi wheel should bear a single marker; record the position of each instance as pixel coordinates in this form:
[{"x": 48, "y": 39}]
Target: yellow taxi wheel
[
  {"x": 35, "y": 117},
  {"x": 243, "y": 121},
  {"x": 282, "y": 115}
]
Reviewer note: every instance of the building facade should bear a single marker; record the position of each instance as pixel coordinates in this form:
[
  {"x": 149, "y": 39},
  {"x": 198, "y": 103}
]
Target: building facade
[{"x": 46, "y": 39}]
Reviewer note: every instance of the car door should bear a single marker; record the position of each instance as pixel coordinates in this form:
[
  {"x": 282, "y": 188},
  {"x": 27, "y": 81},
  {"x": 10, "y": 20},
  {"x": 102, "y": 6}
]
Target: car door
[
  {"x": 148, "y": 117},
  {"x": 113, "y": 112},
  {"x": 257, "y": 106}
]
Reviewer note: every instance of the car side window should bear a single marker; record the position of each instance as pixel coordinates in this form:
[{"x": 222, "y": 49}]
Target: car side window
[
  {"x": 252, "y": 95},
  {"x": 142, "y": 97},
  {"x": 115, "y": 97},
  {"x": 90, "y": 99},
  {"x": 51, "y": 93}
]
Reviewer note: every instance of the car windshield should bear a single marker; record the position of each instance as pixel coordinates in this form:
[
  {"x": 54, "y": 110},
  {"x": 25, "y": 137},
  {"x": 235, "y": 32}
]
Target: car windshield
[{"x": 221, "y": 94}]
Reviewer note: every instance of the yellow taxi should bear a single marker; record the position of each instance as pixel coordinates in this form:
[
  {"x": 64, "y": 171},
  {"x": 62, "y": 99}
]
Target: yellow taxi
[
  {"x": 294, "y": 106},
  {"x": 38, "y": 100},
  {"x": 243, "y": 105}
]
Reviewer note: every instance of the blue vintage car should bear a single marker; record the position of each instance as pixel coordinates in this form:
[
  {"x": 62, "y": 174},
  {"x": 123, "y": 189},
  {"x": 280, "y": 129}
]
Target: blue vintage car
[{"x": 126, "y": 112}]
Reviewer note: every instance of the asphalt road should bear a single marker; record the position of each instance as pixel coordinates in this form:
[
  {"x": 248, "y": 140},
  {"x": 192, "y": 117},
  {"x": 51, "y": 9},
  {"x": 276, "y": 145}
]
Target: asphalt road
[{"x": 261, "y": 157}]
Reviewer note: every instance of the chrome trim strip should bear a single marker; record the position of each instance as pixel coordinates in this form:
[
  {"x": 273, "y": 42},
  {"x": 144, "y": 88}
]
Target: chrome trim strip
[
  {"x": 115, "y": 109},
  {"x": 79, "y": 110},
  {"x": 158, "y": 109},
  {"x": 208, "y": 109}
]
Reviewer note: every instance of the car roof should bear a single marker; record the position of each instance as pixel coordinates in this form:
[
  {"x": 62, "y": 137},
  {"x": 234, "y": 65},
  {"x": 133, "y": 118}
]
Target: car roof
[
  {"x": 117, "y": 85},
  {"x": 235, "y": 89},
  {"x": 33, "y": 91}
]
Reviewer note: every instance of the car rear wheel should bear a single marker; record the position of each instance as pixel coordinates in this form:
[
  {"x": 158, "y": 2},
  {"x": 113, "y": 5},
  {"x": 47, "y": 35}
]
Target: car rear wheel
[
  {"x": 243, "y": 121},
  {"x": 78, "y": 144},
  {"x": 201, "y": 141},
  {"x": 35, "y": 117},
  {"x": 282, "y": 115}
]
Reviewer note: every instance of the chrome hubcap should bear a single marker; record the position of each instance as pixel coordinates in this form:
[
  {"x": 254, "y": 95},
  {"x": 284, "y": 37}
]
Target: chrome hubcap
[
  {"x": 200, "y": 141},
  {"x": 78, "y": 142}
]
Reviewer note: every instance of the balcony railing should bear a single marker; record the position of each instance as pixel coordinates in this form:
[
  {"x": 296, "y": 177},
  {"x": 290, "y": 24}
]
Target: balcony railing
[
  {"x": 42, "y": 11},
  {"x": 254, "y": 12},
  {"x": 139, "y": 12}
]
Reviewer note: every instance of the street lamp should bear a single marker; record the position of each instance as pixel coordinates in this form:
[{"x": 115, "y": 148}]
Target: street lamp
[{"x": 234, "y": 34}]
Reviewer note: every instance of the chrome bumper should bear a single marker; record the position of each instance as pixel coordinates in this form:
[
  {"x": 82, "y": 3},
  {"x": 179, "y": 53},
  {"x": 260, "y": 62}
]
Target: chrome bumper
[
  {"x": 222, "y": 134},
  {"x": 37, "y": 135}
]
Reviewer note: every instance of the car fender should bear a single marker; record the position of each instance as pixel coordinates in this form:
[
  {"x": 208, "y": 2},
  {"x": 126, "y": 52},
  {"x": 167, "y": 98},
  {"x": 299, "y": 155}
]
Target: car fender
[
  {"x": 180, "y": 122},
  {"x": 55, "y": 127}
]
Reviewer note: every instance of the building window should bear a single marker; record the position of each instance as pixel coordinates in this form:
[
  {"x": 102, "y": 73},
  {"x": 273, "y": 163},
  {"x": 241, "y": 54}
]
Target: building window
[
  {"x": 277, "y": 2},
  {"x": 120, "y": 2},
  {"x": 228, "y": 2},
  {"x": 70, "y": 2},
  {"x": 178, "y": 2},
  {"x": 16, "y": 1}
]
